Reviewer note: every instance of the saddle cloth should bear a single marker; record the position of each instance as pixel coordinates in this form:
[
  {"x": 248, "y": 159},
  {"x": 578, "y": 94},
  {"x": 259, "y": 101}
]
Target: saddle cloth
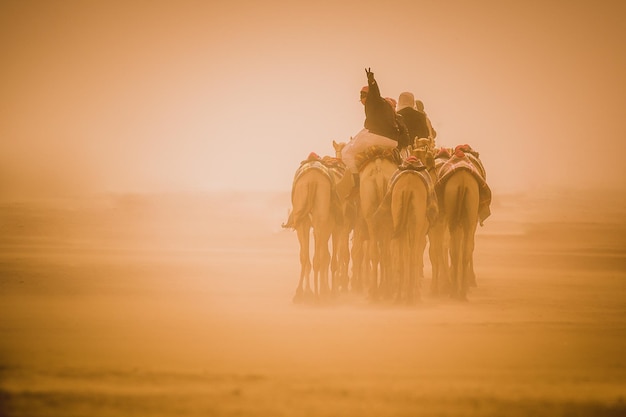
[
  {"x": 464, "y": 161},
  {"x": 361, "y": 142}
]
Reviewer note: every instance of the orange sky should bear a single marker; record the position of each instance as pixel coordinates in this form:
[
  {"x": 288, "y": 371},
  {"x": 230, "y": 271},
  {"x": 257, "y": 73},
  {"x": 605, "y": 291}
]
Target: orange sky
[{"x": 167, "y": 96}]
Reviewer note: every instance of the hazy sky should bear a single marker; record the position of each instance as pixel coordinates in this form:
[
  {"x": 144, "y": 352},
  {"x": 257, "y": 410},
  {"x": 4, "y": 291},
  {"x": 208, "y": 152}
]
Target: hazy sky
[{"x": 184, "y": 95}]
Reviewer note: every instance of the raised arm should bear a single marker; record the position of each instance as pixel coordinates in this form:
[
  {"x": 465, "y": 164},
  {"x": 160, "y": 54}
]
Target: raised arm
[{"x": 373, "y": 91}]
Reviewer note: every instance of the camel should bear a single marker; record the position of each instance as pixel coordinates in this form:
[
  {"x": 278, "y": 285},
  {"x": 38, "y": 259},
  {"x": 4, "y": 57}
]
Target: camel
[
  {"x": 438, "y": 238},
  {"x": 313, "y": 207},
  {"x": 410, "y": 191},
  {"x": 460, "y": 205},
  {"x": 376, "y": 166},
  {"x": 340, "y": 258},
  {"x": 354, "y": 224},
  {"x": 464, "y": 198}
]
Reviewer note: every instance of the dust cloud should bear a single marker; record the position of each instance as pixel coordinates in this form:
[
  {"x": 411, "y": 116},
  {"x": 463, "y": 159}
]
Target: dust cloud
[
  {"x": 169, "y": 304},
  {"x": 116, "y": 96},
  {"x": 146, "y": 159}
]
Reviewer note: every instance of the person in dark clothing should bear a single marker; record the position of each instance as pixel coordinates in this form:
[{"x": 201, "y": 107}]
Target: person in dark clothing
[
  {"x": 380, "y": 128},
  {"x": 415, "y": 121},
  {"x": 380, "y": 117},
  {"x": 420, "y": 108},
  {"x": 404, "y": 138}
]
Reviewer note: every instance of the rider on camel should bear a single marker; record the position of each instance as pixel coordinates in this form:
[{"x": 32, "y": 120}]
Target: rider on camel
[
  {"x": 380, "y": 127},
  {"x": 380, "y": 117},
  {"x": 415, "y": 120}
]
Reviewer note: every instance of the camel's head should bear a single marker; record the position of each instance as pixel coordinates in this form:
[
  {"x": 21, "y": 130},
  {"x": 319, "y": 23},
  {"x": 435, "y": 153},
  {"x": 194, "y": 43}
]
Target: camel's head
[
  {"x": 422, "y": 143},
  {"x": 424, "y": 152},
  {"x": 338, "y": 148}
]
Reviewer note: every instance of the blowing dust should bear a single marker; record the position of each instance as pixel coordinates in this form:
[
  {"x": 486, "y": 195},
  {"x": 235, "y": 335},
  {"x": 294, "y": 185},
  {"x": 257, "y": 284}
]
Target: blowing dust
[{"x": 160, "y": 305}]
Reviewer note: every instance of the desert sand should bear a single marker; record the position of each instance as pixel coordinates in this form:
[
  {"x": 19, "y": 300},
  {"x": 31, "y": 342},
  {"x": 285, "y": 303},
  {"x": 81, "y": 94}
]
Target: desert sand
[{"x": 180, "y": 305}]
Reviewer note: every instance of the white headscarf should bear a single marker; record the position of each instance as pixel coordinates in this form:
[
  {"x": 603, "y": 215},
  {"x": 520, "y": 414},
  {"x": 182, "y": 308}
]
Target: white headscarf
[{"x": 406, "y": 99}]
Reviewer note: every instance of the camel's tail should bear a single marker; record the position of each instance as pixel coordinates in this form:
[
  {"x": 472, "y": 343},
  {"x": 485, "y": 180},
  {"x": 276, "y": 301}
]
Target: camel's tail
[
  {"x": 302, "y": 205},
  {"x": 289, "y": 223},
  {"x": 459, "y": 207},
  {"x": 406, "y": 207}
]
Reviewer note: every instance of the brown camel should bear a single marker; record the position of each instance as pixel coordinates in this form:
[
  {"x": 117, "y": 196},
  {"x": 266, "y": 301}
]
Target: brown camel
[
  {"x": 340, "y": 258},
  {"x": 409, "y": 202},
  {"x": 438, "y": 237},
  {"x": 354, "y": 225},
  {"x": 376, "y": 166},
  {"x": 464, "y": 198},
  {"x": 313, "y": 208},
  {"x": 460, "y": 206}
]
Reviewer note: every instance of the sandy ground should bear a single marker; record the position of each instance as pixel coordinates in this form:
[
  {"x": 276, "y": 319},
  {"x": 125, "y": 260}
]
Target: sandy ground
[{"x": 165, "y": 305}]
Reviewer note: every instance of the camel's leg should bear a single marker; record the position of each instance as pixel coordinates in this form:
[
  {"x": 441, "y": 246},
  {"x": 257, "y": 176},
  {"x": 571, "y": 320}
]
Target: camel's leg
[
  {"x": 343, "y": 259},
  {"x": 456, "y": 260},
  {"x": 340, "y": 258},
  {"x": 405, "y": 281},
  {"x": 439, "y": 258},
  {"x": 321, "y": 261},
  {"x": 317, "y": 266},
  {"x": 365, "y": 266},
  {"x": 420, "y": 245},
  {"x": 376, "y": 265},
  {"x": 396, "y": 259},
  {"x": 434, "y": 252},
  {"x": 303, "y": 232},
  {"x": 445, "y": 272},
  {"x": 380, "y": 269},
  {"x": 325, "y": 264},
  {"x": 373, "y": 263},
  {"x": 357, "y": 253},
  {"x": 385, "y": 266},
  {"x": 472, "y": 274},
  {"x": 326, "y": 261},
  {"x": 356, "y": 256},
  {"x": 316, "y": 275},
  {"x": 316, "y": 272},
  {"x": 412, "y": 274},
  {"x": 418, "y": 241},
  {"x": 335, "y": 260},
  {"x": 467, "y": 255}
]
